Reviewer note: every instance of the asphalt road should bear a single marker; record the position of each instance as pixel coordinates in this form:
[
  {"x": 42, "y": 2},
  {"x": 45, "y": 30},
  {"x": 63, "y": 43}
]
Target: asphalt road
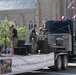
[{"x": 71, "y": 70}]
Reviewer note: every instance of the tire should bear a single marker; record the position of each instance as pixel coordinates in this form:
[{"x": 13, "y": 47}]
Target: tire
[
  {"x": 58, "y": 63},
  {"x": 64, "y": 62}
]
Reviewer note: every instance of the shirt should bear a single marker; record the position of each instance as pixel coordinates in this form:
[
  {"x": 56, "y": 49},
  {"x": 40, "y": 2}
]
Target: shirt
[{"x": 15, "y": 33}]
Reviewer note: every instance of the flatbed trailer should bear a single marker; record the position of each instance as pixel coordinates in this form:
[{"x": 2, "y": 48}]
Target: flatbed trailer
[{"x": 16, "y": 64}]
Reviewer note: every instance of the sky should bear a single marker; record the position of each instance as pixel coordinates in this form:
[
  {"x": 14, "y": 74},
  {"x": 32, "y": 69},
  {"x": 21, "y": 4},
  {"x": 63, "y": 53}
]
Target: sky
[{"x": 16, "y": 4}]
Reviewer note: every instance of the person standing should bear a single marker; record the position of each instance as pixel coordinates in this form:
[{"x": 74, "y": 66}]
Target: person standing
[
  {"x": 14, "y": 36},
  {"x": 41, "y": 30},
  {"x": 33, "y": 39},
  {"x": 1, "y": 48}
]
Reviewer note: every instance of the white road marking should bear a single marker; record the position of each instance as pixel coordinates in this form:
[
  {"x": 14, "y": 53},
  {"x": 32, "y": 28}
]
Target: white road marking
[{"x": 72, "y": 64}]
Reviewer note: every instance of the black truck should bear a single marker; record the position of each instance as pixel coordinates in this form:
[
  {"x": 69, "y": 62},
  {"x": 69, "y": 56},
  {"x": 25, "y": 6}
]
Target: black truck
[{"x": 61, "y": 38}]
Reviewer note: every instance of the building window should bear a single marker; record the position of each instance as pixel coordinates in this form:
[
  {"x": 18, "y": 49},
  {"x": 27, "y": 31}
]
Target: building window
[
  {"x": 31, "y": 24},
  {"x": 16, "y": 22}
]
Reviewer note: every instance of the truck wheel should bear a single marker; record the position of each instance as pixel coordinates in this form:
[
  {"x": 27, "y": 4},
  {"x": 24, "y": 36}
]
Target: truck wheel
[
  {"x": 64, "y": 62},
  {"x": 58, "y": 63}
]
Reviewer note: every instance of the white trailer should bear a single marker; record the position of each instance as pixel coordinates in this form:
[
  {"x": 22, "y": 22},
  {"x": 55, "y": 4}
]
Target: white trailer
[{"x": 16, "y": 64}]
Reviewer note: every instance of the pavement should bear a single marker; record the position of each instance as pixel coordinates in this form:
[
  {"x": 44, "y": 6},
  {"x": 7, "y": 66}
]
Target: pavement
[{"x": 71, "y": 70}]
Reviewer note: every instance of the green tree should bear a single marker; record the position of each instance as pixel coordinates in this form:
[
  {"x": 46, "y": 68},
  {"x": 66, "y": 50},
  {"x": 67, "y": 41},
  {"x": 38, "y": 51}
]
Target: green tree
[{"x": 4, "y": 29}]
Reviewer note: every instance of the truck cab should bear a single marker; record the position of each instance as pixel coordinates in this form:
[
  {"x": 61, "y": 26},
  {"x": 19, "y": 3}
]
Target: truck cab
[{"x": 64, "y": 27}]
